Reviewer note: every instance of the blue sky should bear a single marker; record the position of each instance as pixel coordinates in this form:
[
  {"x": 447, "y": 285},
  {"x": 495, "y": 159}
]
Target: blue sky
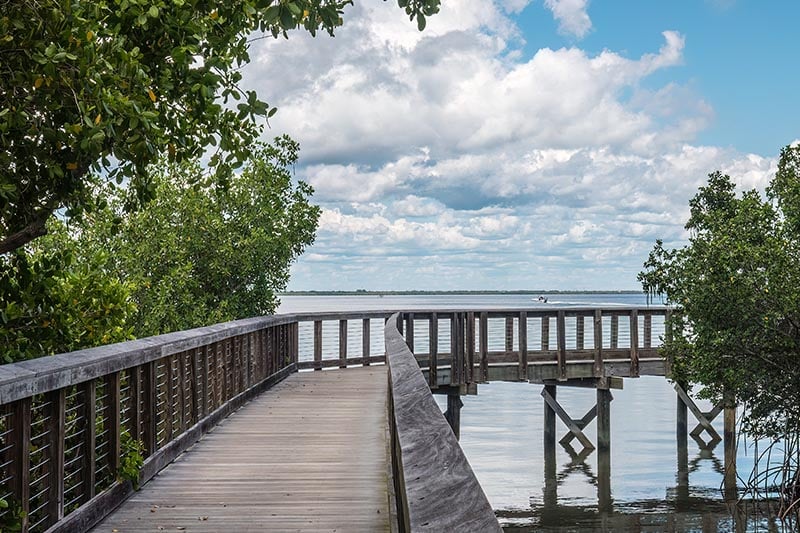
[{"x": 521, "y": 144}]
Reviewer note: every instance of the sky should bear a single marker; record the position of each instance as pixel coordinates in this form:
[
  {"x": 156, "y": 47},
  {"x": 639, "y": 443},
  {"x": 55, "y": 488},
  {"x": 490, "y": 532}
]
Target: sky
[{"x": 518, "y": 144}]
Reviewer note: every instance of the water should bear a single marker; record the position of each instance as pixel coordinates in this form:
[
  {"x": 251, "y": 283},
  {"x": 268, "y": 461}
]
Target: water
[{"x": 501, "y": 434}]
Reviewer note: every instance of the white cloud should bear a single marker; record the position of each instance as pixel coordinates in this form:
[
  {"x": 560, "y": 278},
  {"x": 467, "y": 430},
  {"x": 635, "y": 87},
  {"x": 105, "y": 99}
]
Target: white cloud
[
  {"x": 571, "y": 16},
  {"x": 450, "y": 153}
]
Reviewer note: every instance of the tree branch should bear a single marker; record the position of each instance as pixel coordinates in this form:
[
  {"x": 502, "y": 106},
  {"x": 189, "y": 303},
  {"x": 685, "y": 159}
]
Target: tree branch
[{"x": 35, "y": 229}]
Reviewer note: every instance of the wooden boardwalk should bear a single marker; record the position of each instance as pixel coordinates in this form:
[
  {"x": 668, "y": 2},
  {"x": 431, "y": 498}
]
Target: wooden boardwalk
[{"x": 310, "y": 454}]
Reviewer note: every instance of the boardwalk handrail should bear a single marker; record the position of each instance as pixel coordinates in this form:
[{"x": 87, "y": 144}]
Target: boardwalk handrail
[
  {"x": 66, "y": 420},
  {"x": 435, "y": 487},
  {"x": 166, "y": 391}
]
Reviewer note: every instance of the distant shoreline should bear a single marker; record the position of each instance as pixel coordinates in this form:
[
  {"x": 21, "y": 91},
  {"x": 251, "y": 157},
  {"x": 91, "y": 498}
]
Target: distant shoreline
[{"x": 448, "y": 293}]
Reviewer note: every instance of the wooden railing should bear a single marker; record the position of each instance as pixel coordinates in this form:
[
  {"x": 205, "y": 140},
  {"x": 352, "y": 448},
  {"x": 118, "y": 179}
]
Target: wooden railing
[
  {"x": 64, "y": 420},
  {"x": 435, "y": 487},
  {"x": 465, "y": 345}
]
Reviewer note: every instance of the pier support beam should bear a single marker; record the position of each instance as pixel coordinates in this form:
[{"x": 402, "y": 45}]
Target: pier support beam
[
  {"x": 453, "y": 413},
  {"x": 601, "y": 411},
  {"x": 682, "y": 438},
  {"x": 550, "y": 429},
  {"x": 604, "y": 449},
  {"x": 729, "y": 438}
]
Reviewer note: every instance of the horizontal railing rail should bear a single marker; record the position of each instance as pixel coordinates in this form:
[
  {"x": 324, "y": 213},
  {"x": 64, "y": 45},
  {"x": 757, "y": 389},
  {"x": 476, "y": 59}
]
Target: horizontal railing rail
[
  {"x": 62, "y": 470},
  {"x": 435, "y": 487}
]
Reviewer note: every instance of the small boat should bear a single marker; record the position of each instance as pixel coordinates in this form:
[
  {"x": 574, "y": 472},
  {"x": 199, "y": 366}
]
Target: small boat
[{"x": 541, "y": 299}]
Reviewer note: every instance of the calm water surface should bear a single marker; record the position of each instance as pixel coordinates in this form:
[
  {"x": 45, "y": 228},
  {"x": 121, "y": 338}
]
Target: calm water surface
[{"x": 501, "y": 434}]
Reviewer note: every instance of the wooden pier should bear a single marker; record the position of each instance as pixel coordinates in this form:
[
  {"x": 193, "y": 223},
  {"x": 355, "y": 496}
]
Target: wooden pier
[
  {"x": 243, "y": 430},
  {"x": 310, "y": 454}
]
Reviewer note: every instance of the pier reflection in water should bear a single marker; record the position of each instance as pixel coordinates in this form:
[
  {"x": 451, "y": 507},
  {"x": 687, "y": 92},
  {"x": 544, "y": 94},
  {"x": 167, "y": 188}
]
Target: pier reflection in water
[{"x": 646, "y": 481}]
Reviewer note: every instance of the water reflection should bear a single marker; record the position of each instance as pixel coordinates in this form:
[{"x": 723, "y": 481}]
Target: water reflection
[
  {"x": 683, "y": 508},
  {"x": 646, "y": 481}
]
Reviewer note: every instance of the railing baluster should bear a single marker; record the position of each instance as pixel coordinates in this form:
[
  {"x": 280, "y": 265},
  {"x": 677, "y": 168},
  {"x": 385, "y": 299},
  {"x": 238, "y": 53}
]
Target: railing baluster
[
  {"x": 365, "y": 348},
  {"x": 113, "y": 400},
  {"x": 317, "y": 345},
  {"x": 579, "y": 332},
  {"x": 509, "y": 334},
  {"x": 648, "y": 330},
  {"x": 21, "y": 458},
  {"x": 342, "y": 344},
  {"x": 183, "y": 379},
  {"x": 454, "y": 359},
  {"x": 135, "y": 416},
  {"x": 614, "y": 331},
  {"x": 433, "y": 342},
  {"x": 227, "y": 371},
  {"x": 545, "y": 333},
  {"x": 206, "y": 381},
  {"x": 149, "y": 405},
  {"x": 484, "y": 346},
  {"x": 169, "y": 396},
  {"x": 561, "y": 336},
  {"x": 522, "y": 371},
  {"x": 470, "y": 343},
  {"x": 410, "y": 331},
  {"x": 634, "y": 320},
  {"x": 462, "y": 360},
  {"x": 598, "y": 343},
  {"x": 89, "y": 414},
  {"x": 55, "y": 427}
]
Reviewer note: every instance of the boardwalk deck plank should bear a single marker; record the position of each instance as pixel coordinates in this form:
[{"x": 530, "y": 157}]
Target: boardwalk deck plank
[{"x": 308, "y": 455}]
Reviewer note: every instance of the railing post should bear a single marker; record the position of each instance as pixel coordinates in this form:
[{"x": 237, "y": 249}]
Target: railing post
[
  {"x": 545, "y": 333},
  {"x": 484, "y": 346},
  {"x": 135, "y": 417},
  {"x": 470, "y": 342},
  {"x": 522, "y": 370},
  {"x": 112, "y": 386},
  {"x": 614, "y": 332},
  {"x": 509, "y": 334},
  {"x": 20, "y": 455},
  {"x": 455, "y": 360},
  {"x": 169, "y": 396},
  {"x": 597, "y": 329},
  {"x": 561, "y": 335},
  {"x": 206, "y": 380},
  {"x": 296, "y": 342},
  {"x": 55, "y": 424},
  {"x": 579, "y": 332},
  {"x": 250, "y": 352},
  {"x": 365, "y": 348},
  {"x": 433, "y": 359},
  {"x": 89, "y": 414},
  {"x": 634, "y": 343},
  {"x": 149, "y": 403},
  {"x": 410, "y": 331},
  {"x": 343, "y": 343},
  {"x": 183, "y": 376},
  {"x": 318, "y": 345},
  {"x": 648, "y": 331}
]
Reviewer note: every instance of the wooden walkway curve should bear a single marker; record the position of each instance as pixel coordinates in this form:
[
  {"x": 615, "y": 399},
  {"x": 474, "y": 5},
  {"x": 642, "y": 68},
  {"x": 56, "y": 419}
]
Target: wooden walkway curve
[{"x": 310, "y": 454}]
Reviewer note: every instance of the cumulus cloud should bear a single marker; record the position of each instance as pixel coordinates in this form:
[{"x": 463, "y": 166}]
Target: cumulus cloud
[
  {"x": 571, "y": 16},
  {"x": 450, "y": 153}
]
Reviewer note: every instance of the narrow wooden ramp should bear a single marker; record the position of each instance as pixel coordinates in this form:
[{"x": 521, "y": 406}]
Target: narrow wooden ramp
[{"x": 310, "y": 454}]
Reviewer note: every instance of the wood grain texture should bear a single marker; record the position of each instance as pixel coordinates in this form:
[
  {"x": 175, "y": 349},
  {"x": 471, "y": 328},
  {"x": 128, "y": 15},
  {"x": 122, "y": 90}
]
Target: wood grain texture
[
  {"x": 440, "y": 492},
  {"x": 310, "y": 454}
]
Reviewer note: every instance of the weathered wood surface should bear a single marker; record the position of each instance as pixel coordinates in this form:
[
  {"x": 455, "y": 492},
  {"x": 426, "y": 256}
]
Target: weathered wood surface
[
  {"x": 310, "y": 454},
  {"x": 438, "y": 490}
]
